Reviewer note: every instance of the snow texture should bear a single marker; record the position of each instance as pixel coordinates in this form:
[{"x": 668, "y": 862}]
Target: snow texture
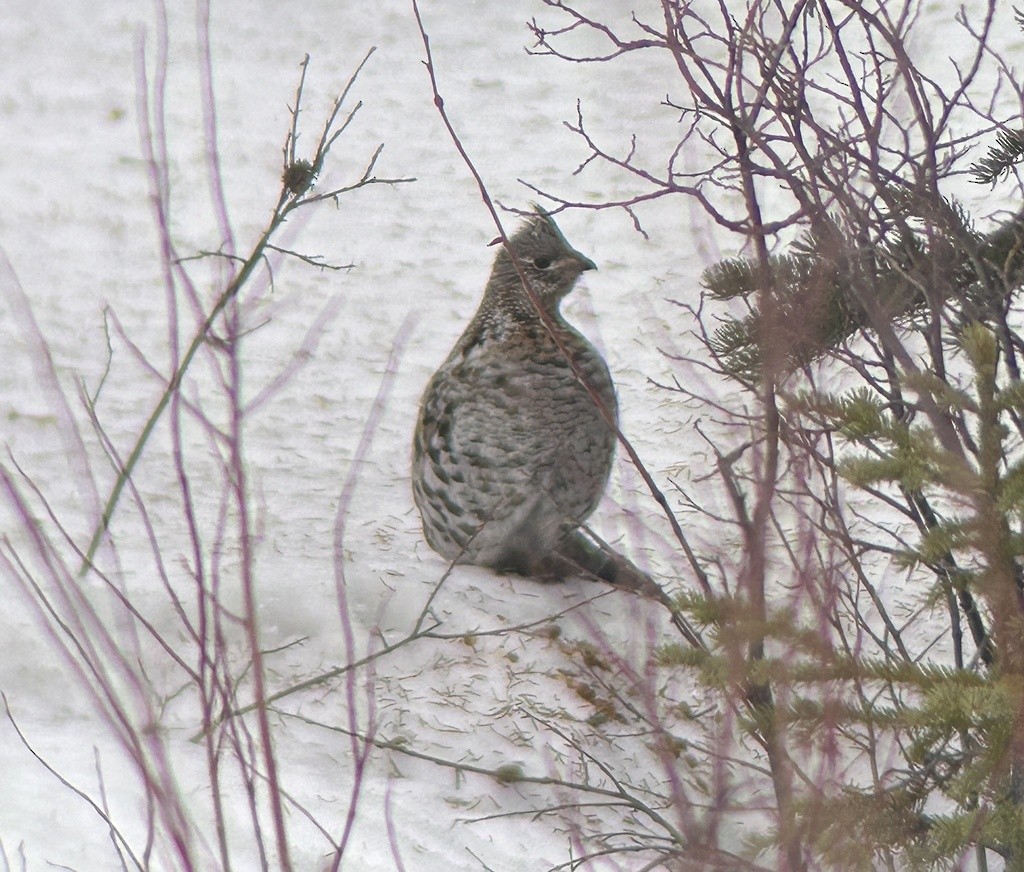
[{"x": 77, "y": 227}]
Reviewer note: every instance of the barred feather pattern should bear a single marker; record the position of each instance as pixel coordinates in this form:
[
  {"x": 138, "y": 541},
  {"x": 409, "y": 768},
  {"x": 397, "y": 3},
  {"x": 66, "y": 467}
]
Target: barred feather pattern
[{"x": 510, "y": 453}]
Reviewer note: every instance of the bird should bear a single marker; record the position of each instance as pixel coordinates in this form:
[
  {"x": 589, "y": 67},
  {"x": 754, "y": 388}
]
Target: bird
[{"x": 514, "y": 444}]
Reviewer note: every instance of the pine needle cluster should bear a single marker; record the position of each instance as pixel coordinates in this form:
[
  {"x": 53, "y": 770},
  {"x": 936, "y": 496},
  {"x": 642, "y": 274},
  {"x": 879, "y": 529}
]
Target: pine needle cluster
[{"x": 839, "y": 279}]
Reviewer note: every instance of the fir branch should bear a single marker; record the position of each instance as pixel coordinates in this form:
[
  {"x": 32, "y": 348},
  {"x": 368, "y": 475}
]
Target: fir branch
[
  {"x": 1001, "y": 158},
  {"x": 833, "y": 284}
]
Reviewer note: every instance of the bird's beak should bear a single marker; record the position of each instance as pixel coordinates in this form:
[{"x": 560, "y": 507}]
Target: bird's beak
[
  {"x": 574, "y": 265},
  {"x": 585, "y": 262}
]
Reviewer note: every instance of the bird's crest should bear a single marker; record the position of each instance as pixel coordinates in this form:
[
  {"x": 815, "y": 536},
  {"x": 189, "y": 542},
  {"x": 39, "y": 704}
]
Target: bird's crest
[{"x": 540, "y": 223}]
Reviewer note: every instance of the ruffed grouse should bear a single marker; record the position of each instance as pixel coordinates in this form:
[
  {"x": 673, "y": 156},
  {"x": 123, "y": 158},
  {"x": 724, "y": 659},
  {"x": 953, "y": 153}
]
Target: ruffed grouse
[{"x": 511, "y": 453}]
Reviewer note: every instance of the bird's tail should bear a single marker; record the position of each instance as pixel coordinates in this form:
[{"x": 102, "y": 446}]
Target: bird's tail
[{"x": 581, "y": 553}]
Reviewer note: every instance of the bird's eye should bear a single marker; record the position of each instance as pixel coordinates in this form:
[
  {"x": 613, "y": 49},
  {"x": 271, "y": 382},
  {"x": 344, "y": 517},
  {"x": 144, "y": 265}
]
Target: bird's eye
[{"x": 542, "y": 262}]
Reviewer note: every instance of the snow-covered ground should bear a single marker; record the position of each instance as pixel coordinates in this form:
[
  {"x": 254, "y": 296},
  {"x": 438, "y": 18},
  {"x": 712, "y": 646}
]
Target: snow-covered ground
[
  {"x": 76, "y": 224},
  {"x": 78, "y": 230}
]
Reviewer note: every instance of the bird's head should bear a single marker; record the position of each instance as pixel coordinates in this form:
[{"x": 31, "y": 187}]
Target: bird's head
[{"x": 548, "y": 262}]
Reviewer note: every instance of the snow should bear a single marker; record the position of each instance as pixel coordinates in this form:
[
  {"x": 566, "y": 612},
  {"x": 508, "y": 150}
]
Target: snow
[
  {"x": 77, "y": 227},
  {"x": 78, "y": 230}
]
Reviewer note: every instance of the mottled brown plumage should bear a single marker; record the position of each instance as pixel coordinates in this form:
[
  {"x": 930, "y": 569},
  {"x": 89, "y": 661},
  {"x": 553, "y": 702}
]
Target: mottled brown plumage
[{"x": 511, "y": 454}]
